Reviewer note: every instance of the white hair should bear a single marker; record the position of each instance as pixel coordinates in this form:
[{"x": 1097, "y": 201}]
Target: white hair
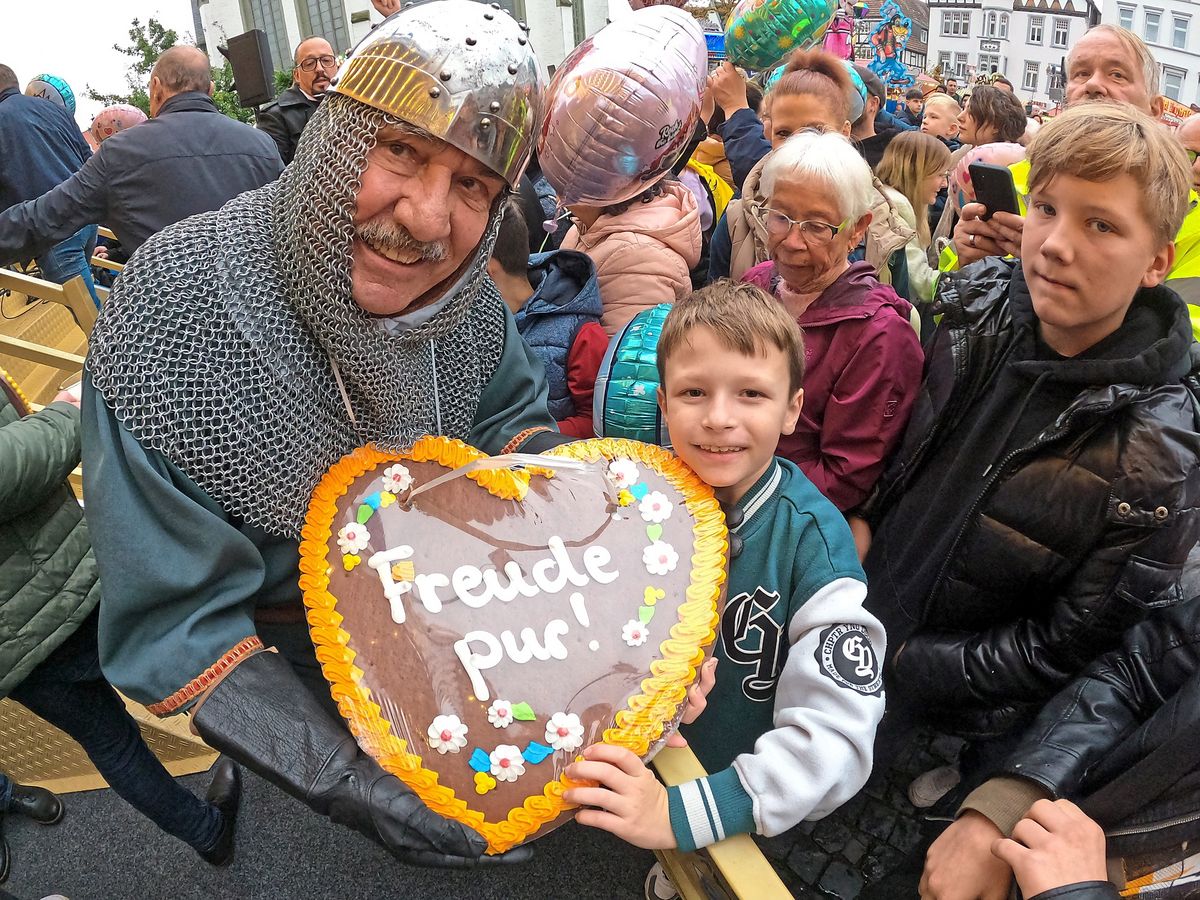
[{"x": 829, "y": 159}]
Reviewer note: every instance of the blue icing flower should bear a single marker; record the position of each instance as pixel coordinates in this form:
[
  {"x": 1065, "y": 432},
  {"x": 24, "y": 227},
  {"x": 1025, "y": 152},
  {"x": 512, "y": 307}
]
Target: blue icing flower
[
  {"x": 480, "y": 761},
  {"x": 373, "y": 500},
  {"x": 536, "y": 752}
]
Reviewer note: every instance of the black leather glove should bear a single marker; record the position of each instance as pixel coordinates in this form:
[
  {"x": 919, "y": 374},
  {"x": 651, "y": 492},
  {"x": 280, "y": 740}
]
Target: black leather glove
[{"x": 264, "y": 717}]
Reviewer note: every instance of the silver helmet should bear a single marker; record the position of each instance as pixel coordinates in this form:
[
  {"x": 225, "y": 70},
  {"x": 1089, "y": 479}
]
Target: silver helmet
[{"x": 463, "y": 71}]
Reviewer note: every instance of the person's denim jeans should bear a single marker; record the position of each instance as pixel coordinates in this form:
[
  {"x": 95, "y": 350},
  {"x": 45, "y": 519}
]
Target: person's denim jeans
[
  {"x": 69, "y": 691},
  {"x": 72, "y": 257}
]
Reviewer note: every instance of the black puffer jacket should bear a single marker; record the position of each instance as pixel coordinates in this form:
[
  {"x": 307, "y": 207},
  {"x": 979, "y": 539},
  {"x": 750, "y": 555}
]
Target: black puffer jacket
[
  {"x": 1128, "y": 704},
  {"x": 1071, "y": 539}
]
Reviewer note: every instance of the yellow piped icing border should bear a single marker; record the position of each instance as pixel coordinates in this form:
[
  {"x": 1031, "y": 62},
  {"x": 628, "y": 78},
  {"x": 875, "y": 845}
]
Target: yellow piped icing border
[{"x": 635, "y": 727}]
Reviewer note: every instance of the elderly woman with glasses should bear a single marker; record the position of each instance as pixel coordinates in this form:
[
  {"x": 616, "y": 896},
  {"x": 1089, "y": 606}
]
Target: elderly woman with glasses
[{"x": 862, "y": 357}]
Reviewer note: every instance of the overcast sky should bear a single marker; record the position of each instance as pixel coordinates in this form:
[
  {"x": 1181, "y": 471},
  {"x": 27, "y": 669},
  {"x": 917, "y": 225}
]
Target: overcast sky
[{"x": 74, "y": 39}]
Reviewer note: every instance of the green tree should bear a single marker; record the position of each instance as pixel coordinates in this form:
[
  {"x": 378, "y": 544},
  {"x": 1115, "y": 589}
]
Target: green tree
[
  {"x": 146, "y": 44},
  {"x": 226, "y": 97}
]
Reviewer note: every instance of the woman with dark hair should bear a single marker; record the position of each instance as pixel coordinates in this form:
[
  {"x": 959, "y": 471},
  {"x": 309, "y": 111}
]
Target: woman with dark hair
[{"x": 991, "y": 116}]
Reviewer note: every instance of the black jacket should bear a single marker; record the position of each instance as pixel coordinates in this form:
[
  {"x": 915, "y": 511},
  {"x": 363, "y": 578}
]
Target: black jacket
[
  {"x": 186, "y": 160},
  {"x": 284, "y": 119},
  {"x": 1127, "y": 704},
  {"x": 1068, "y": 537}
]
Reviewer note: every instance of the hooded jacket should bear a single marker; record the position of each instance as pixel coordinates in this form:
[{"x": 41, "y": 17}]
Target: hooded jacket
[
  {"x": 862, "y": 372},
  {"x": 566, "y": 297},
  {"x": 1038, "y": 506},
  {"x": 644, "y": 255}
]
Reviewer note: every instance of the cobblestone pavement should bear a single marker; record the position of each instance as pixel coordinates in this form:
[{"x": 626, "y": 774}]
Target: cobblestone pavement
[{"x": 867, "y": 838}]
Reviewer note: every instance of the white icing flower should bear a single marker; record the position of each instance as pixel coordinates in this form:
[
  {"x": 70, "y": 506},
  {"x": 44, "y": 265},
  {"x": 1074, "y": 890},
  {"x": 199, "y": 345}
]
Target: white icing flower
[
  {"x": 655, "y": 507},
  {"x": 564, "y": 731},
  {"x": 353, "y": 538},
  {"x": 634, "y": 634},
  {"x": 396, "y": 479},
  {"x": 447, "y": 734},
  {"x": 500, "y": 713},
  {"x": 507, "y": 763},
  {"x": 623, "y": 473},
  {"x": 660, "y": 558}
]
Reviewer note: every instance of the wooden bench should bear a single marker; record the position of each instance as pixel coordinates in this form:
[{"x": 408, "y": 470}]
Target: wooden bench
[{"x": 734, "y": 866}]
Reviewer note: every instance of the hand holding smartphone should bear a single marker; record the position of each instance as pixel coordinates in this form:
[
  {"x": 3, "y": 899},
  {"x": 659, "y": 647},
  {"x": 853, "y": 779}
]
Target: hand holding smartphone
[{"x": 994, "y": 188}]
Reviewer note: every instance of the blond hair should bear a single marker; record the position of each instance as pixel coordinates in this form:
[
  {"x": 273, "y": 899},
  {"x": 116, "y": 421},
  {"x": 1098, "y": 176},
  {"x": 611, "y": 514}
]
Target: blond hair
[
  {"x": 1102, "y": 141},
  {"x": 910, "y": 158},
  {"x": 743, "y": 317},
  {"x": 939, "y": 99}
]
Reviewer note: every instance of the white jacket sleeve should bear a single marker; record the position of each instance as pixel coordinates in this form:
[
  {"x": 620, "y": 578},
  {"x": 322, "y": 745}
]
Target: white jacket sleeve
[{"x": 828, "y": 703}]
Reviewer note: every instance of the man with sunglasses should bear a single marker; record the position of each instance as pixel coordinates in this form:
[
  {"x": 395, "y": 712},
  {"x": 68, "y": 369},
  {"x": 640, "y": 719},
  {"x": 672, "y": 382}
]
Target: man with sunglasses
[{"x": 285, "y": 118}]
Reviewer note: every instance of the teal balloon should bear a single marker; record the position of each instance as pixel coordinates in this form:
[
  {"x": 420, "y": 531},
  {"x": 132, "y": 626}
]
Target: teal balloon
[
  {"x": 759, "y": 33},
  {"x": 626, "y": 398},
  {"x": 858, "y": 99},
  {"x": 52, "y": 88}
]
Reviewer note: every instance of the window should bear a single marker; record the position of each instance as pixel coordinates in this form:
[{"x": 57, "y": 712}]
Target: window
[
  {"x": 1179, "y": 33},
  {"x": 924, "y": 36},
  {"x": 1153, "y": 17},
  {"x": 956, "y": 24},
  {"x": 267, "y": 15},
  {"x": 1125, "y": 15},
  {"x": 1173, "y": 82},
  {"x": 1036, "y": 24},
  {"x": 944, "y": 62},
  {"x": 1003, "y": 25},
  {"x": 1061, "y": 27},
  {"x": 327, "y": 19},
  {"x": 1031, "y": 77},
  {"x": 989, "y": 62},
  {"x": 960, "y": 65},
  {"x": 989, "y": 24}
]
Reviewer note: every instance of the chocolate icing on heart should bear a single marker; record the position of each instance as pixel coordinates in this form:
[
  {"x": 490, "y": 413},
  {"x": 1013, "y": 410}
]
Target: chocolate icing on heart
[{"x": 478, "y": 632}]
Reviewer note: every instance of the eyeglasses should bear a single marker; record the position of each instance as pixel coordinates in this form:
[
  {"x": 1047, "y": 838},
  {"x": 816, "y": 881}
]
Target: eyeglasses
[
  {"x": 326, "y": 62},
  {"x": 814, "y": 232}
]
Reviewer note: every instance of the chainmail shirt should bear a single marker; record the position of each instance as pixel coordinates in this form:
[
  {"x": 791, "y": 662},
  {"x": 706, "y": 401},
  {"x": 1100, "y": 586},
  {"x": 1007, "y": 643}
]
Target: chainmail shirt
[{"x": 216, "y": 344}]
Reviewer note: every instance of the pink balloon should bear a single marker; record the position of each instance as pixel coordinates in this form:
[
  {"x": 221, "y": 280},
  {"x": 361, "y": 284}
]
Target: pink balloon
[
  {"x": 623, "y": 106},
  {"x": 116, "y": 118}
]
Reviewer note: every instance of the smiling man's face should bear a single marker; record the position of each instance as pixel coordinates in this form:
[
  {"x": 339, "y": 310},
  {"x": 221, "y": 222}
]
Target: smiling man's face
[{"x": 422, "y": 209}]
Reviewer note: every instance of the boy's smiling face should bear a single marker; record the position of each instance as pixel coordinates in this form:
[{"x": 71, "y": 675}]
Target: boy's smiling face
[
  {"x": 725, "y": 410},
  {"x": 1086, "y": 249}
]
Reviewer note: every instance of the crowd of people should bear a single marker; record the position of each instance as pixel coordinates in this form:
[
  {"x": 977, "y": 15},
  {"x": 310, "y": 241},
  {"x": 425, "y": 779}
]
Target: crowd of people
[{"x": 958, "y": 449}]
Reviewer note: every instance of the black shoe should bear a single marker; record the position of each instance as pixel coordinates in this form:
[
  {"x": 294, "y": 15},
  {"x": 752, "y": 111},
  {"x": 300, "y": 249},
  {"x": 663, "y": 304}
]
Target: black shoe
[
  {"x": 5, "y": 860},
  {"x": 225, "y": 793},
  {"x": 36, "y": 803}
]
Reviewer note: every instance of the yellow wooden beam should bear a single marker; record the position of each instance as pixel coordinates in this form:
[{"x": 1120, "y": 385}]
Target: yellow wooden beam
[
  {"x": 36, "y": 353},
  {"x": 741, "y": 865},
  {"x": 107, "y": 232}
]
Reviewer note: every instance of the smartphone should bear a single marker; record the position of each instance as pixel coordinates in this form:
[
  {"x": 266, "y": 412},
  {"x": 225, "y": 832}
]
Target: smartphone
[{"x": 994, "y": 188}]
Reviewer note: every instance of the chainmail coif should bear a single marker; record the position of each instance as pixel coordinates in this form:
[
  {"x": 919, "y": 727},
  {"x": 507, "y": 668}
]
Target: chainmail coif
[{"x": 214, "y": 348}]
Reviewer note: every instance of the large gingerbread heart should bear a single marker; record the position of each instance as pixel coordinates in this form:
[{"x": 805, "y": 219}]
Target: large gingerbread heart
[{"x": 480, "y": 623}]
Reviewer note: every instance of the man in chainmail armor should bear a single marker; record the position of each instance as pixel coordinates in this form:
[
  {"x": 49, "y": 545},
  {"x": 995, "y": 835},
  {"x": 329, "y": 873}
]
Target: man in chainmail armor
[{"x": 246, "y": 350}]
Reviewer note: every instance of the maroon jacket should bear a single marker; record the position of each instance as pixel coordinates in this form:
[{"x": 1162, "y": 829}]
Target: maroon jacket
[{"x": 862, "y": 371}]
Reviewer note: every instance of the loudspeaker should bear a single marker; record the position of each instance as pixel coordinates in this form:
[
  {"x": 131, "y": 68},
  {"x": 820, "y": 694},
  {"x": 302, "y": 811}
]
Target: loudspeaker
[{"x": 253, "y": 74}]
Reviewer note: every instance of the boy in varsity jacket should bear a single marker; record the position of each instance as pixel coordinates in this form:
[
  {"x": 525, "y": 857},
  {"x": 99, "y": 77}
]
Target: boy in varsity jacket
[{"x": 788, "y": 730}]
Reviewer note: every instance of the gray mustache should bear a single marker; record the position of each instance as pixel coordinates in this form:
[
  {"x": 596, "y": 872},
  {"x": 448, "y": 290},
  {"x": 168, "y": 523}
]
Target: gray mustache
[{"x": 396, "y": 238}]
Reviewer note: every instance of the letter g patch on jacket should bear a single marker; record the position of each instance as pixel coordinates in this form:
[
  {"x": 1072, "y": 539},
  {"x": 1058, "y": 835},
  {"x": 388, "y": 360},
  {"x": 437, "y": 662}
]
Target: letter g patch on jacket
[{"x": 845, "y": 656}]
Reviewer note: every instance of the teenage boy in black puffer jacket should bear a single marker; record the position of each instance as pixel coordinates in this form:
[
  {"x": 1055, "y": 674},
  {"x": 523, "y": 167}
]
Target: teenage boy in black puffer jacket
[{"x": 1047, "y": 491}]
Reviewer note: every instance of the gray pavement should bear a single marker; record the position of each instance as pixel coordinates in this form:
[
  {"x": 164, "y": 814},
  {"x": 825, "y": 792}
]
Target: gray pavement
[{"x": 104, "y": 850}]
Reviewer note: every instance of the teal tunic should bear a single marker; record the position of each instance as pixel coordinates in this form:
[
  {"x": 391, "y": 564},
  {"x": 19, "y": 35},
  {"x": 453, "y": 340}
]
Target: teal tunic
[{"x": 182, "y": 578}]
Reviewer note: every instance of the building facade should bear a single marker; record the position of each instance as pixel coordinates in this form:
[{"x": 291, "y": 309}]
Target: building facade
[
  {"x": 1025, "y": 40},
  {"x": 1172, "y": 31},
  {"x": 916, "y": 51},
  {"x": 556, "y": 26}
]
